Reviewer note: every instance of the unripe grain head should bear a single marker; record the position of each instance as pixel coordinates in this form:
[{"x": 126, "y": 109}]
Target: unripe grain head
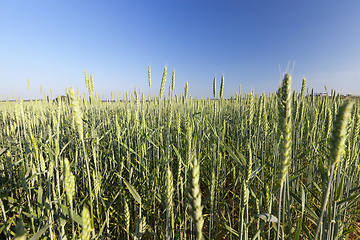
[
  {"x": 338, "y": 137},
  {"x": 77, "y": 113},
  {"x": 285, "y": 111},
  {"x": 162, "y": 87},
  {"x": 86, "y": 224}
]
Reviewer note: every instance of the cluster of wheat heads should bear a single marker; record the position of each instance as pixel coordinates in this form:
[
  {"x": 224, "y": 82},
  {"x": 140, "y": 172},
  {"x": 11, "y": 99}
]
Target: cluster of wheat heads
[{"x": 278, "y": 165}]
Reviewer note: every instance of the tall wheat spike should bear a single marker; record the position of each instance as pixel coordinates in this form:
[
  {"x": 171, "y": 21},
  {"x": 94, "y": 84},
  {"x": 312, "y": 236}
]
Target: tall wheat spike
[
  {"x": 169, "y": 202},
  {"x": 86, "y": 225},
  {"x": 285, "y": 149},
  {"x": 28, "y": 84},
  {"x": 337, "y": 146},
  {"x": 69, "y": 181},
  {"x": 338, "y": 136},
  {"x": 285, "y": 110},
  {"x": 173, "y": 81},
  {"x": 214, "y": 87},
  {"x": 195, "y": 198},
  {"x": 163, "y": 80},
  {"x": 303, "y": 88},
  {"x": 77, "y": 113},
  {"x": 186, "y": 89},
  {"x": 222, "y": 87}
]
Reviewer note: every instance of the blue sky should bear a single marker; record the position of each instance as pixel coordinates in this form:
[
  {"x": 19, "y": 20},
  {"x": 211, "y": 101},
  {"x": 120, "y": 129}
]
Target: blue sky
[{"x": 51, "y": 43}]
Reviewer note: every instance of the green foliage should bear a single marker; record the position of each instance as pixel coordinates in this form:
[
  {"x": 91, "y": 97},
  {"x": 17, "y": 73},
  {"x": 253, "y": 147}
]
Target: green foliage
[{"x": 180, "y": 168}]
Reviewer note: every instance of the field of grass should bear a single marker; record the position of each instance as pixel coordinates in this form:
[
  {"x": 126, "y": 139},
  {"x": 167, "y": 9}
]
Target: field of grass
[{"x": 274, "y": 166}]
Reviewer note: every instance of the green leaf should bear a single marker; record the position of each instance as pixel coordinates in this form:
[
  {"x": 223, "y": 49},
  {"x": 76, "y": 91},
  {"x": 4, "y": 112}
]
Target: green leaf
[
  {"x": 305, "y": 153},
  {"x": 34, "y": 175},
  {"x": 19, "y": 229},
  {"x": 129, "y": 149},
  {"x": 317, "y": 186},
  {"x": 150, "y": 141},
  {"x": 39, "y": 200},
  {"x": 66, "y": 211},
  {"x": 259, "y": 231},
  {"x": 237, "y": 160},
  {"x": 349, "y": 198},
  {"x": 40, "y": 194},
  {"x": 256, "y": 171},
  {"x": 2, "y": 151},
  {"x": 10, "y": 199},
  {"x": 303, "y": 200},
  {"x": 323, "y": 173},
  {"x": 30, "y": 215},
  {"x": 309, "y": 210},
  {"x": 298, "y": 229},
  {"x": 353, "y": 200},
  {"x": 77, "y": 218},
  {"x": 2, "y": 228},
  {"x": 177, "y": 152},
  {"x": 133, "y": 192},
  {"x": 354, "y": 189},
  {"x": 339, "y": 189},
  {"x": 349, "y": 230},
  {"x": 233, "y": 231},
  {"x": 293, "y": 178},
  {"x": 47, "y": 149},
  {"x": 40, "y": 232},
  {"x": 101, "y": 229}
]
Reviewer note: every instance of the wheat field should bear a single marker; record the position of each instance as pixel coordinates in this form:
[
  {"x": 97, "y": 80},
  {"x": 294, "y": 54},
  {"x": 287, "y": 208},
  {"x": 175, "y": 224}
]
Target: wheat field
[{"x": 281, "y": 165}]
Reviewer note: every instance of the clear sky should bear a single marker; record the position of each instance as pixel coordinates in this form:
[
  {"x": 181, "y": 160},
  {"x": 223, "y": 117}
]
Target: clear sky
[{"x": 51, "y": 43}]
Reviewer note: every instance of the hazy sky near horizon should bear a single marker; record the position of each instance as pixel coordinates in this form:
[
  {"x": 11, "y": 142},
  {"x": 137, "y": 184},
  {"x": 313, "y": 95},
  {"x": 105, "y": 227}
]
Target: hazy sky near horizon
[{"x": 51, "y": 43}]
